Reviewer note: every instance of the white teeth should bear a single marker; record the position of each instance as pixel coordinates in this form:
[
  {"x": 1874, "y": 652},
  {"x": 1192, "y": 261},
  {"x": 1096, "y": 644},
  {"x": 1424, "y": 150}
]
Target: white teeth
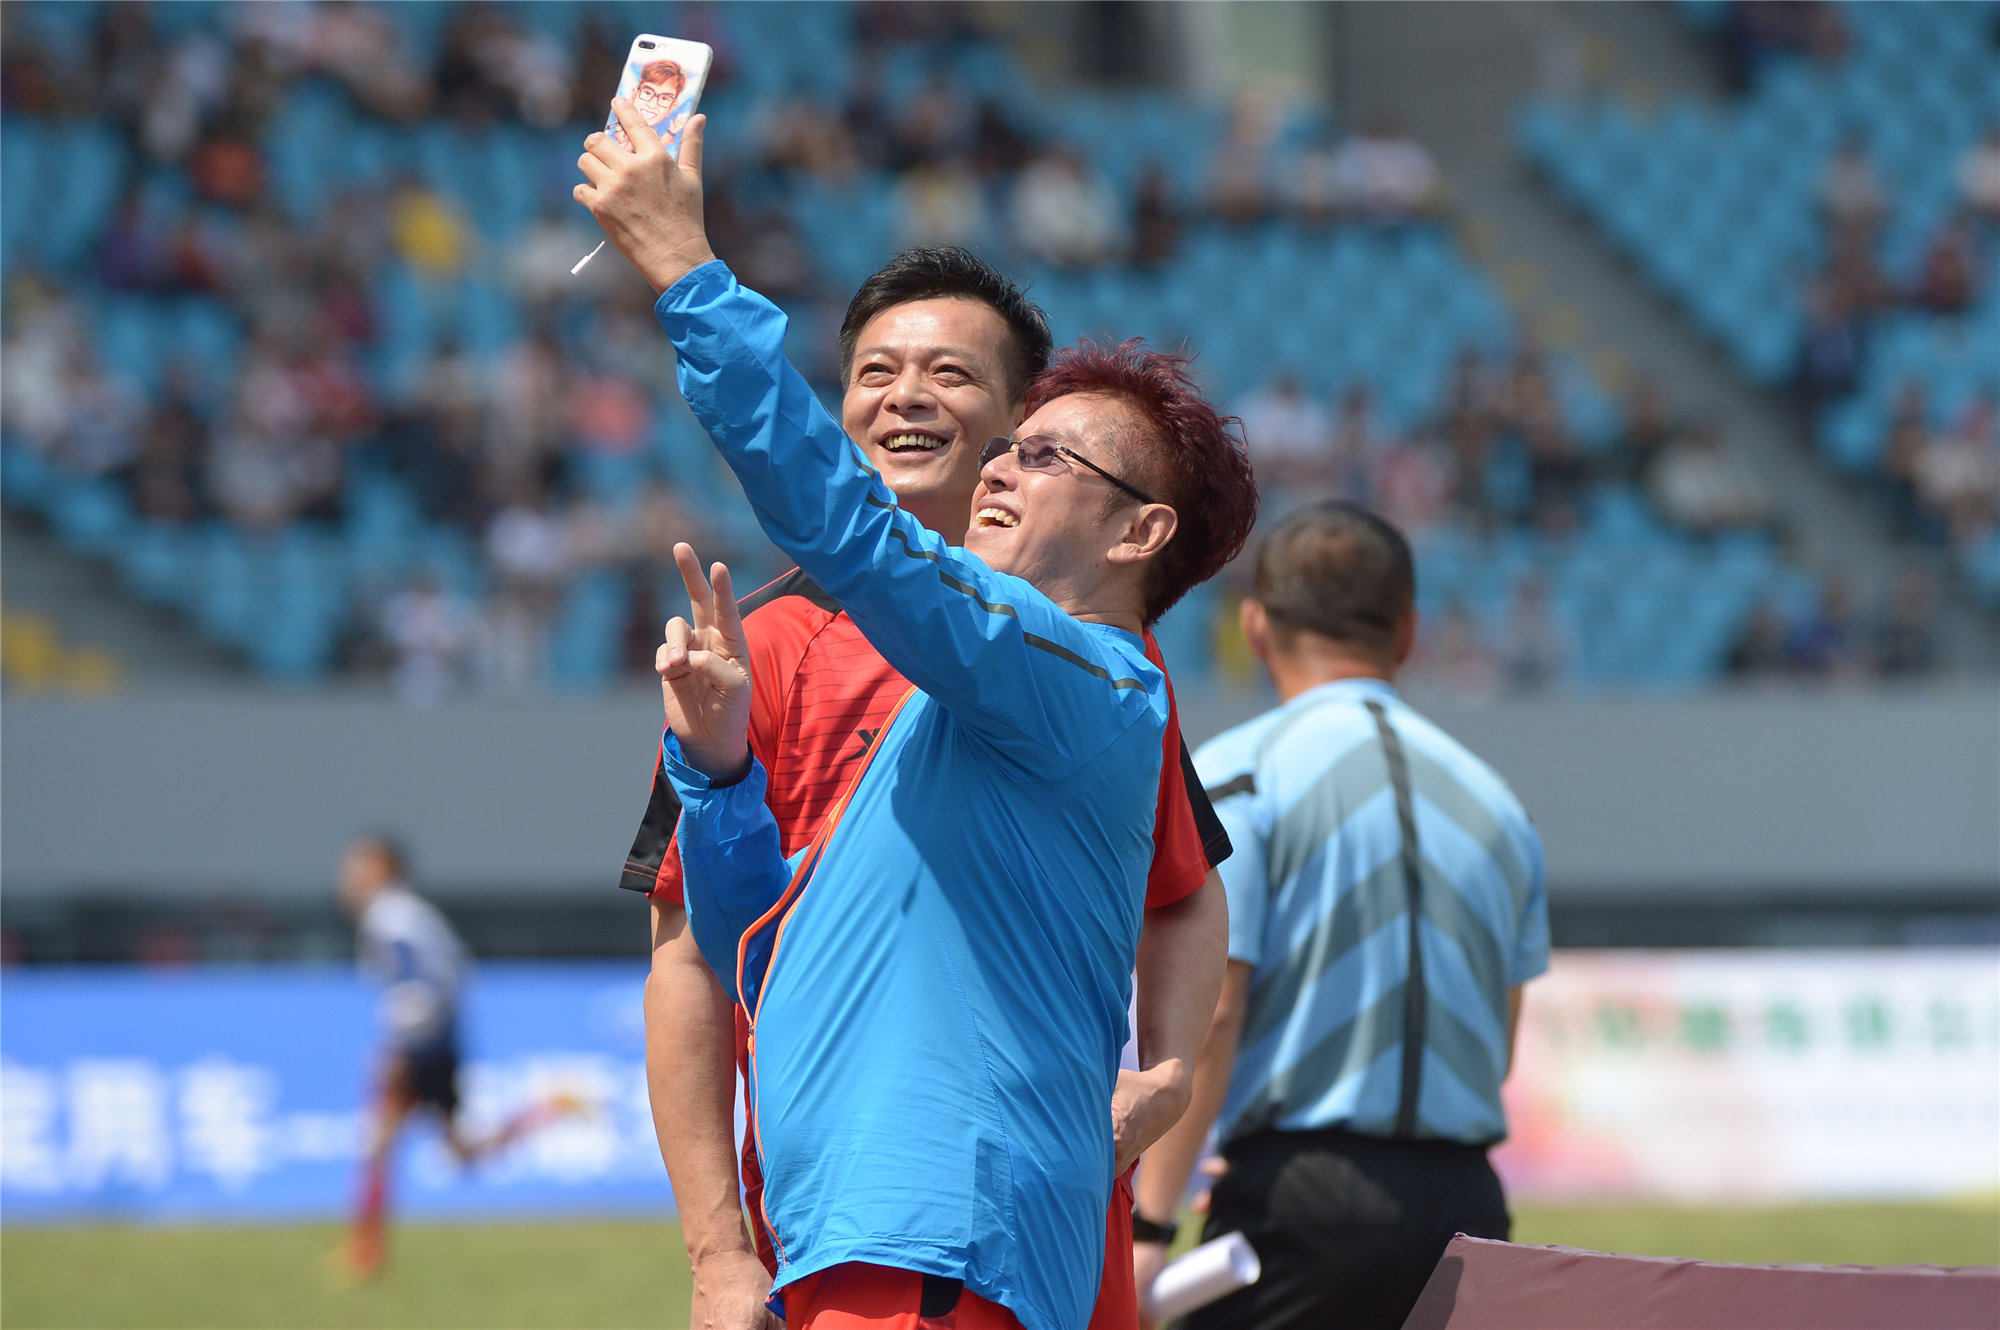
[
  {"x": 896, "y": 443},
  {"x": 997, "y": 517}
]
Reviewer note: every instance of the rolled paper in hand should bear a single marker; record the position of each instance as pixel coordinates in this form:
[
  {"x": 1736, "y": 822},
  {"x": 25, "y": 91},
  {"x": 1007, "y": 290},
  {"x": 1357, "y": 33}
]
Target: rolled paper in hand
[{"x": 1208, "y": 1272}]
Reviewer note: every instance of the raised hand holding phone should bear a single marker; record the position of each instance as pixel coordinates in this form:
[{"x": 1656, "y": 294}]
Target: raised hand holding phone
[
  {"x": 647, "y": 200},
  {"x": 663, "y": 81}
]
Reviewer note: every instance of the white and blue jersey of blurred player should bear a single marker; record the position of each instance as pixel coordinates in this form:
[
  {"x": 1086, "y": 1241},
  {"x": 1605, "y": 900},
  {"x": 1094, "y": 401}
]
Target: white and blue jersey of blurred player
[{"x": 407, "y": 948}]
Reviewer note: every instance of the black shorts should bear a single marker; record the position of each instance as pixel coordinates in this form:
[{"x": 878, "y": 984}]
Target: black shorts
[
  {"x": 1348, "y": 1228},
  {"x": 430, "y": 1077}
]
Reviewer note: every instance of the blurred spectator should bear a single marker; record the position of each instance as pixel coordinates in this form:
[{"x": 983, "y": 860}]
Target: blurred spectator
[
  {"x": 1978, "y": 177},
  {"x": 531, "y": 553},
  {"x": 997, "y": 147},
  {"x": 1156, "y": 224},
  {"x": 360, "y": 47},
  {"x": 1759, "y": 651},
  {"x": 865, "y": 118},
  {"x": 468, "y": 77},
  {"x": 1065, "y": 213},
  {"x": 1409, "y": 484},
  {"x": 1533, "y": 651},
  {"x": 100, "y": 417},
  {"x": 1830, "y": 351},
  {"x": 31, "y": 80},
  {"x": 938, "y": 124},
  {"x": 191, "y": 88},
  {"x": 1358, "y": 433},
  {"x": 531, "y": 400},
  {"x": 609, "y": 417},
  {"x": 1699, "y": 485},
  {"x": 1647, "y": 429},
  {"x": 137, "y": 253},
  {"x": 254, "y": 477},
  {"x": 1469, "y": 430},
  {"x": 167, "y": 475},
  {"x": 1949, "y": 278},
  {"x": 1905, "y": 643},
  {"x": 122, "y": 60},
  {"x": 1851, "y": 193},
  {"x": 772, "y": 259},
  {"x": 428, "y": 232},
  {"x": 808, "y": 136},
  {"x": 1290, "y": 436},
  {"x": 42, "y": 338},
  {"x": 1827, "y": 643},
  {"x": 537, "y": 265},
  {"x": 435, "y": 442},
  {"x": 433, "y": 634},
  {"x": 1909, "y": 433},
  {"x": 1756, "y": 30},
  {"x": 1384, "y": 175},
  {"x": 1957, "y": 473},
  {"x": 1239, "y": 175},
  {"x": 1535, "y": 417},
  {"x": 1855, "y": 275},
  {"x": 941, "y": 205},
  {"x": 1314, "y": 183},
  {"x": 282, "y": 454},
  {"x": 1455, "y": 659},
  {"x": 227, "y": 167}
]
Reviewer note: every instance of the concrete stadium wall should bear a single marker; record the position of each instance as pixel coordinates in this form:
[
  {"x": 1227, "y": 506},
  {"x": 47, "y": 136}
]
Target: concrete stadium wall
[{"x": 1737, "y": 796}]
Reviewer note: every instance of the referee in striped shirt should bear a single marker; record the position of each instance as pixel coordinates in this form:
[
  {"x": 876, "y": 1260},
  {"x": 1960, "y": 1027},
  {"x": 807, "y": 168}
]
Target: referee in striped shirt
[{"x": 1386, "y": 904}]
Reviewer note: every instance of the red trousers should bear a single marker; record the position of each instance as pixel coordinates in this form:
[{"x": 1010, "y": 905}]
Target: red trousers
[
  {"x": 874, "y": 1297},
  {"x": 1117, "y": 1299}
]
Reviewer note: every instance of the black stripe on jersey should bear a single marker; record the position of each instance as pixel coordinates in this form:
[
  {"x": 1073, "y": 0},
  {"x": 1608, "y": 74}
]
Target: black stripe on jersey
[
  {"x": 794, "y": 583},
  {"x": 656, "y": 832},
  {"x": 1214, "y": 837},
  {"x": 1001, "y": 607},
  {"x": 1243, "y": 784}
]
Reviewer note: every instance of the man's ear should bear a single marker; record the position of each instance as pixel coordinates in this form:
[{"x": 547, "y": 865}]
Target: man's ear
[
  {"x": 1256, "y": 623},
  {"x": 1146, "y": 533}
]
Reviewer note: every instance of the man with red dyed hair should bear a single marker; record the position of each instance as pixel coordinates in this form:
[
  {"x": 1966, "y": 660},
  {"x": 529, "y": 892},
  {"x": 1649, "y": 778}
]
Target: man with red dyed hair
[{"x": 934, "y": 1056}]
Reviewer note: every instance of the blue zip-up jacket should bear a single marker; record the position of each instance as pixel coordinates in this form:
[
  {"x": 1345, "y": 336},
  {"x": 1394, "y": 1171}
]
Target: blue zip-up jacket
[{"x": 937, "y": 1028}]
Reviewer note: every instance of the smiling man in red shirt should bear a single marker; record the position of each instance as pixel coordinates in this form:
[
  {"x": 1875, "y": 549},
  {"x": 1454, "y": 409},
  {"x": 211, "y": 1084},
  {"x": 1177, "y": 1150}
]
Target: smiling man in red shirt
[{"x": 937, "y": 352}]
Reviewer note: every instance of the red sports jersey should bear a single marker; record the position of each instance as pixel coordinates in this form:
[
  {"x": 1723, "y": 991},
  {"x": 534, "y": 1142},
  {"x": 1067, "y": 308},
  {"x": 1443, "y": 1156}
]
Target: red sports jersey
[{"x": 820, "y": 697}]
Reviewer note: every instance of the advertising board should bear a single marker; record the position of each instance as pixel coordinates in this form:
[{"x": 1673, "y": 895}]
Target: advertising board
[
  {"x": 1758, "y": 1075},
  {"x": 237, "y": 1094}
]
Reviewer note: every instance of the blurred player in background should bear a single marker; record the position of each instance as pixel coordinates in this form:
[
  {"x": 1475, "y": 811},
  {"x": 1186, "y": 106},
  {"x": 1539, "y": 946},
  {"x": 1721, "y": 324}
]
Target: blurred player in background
[
  {"x": 1386, "y": 905},
  {"x": 407, "y": 948}
]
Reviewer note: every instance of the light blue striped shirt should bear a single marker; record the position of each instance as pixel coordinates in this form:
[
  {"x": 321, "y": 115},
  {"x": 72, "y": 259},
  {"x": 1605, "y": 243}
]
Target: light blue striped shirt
[{"x": 1318, "y": 907}]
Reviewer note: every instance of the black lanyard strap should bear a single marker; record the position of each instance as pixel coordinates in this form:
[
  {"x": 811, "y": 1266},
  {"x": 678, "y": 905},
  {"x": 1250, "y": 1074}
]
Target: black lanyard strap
[{"x": 1414, "y": 1034}]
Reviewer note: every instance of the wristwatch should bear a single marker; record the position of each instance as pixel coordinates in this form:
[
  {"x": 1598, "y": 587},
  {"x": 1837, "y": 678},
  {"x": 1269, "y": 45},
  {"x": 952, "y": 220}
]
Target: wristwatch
[{"x": 1145, "y": 1230}]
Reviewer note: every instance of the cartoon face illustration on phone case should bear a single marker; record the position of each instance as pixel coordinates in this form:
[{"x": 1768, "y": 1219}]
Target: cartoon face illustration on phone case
[{"x": 657, "y": 88}]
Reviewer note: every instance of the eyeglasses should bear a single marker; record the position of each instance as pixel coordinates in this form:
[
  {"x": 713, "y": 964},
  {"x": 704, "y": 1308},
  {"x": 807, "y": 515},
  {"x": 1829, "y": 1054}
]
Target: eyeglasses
[{"x": 1038, "y": 452}]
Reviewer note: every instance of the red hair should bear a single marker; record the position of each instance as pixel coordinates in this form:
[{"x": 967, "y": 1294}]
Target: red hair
[
  {"x": 1195, "y": 463},
  {"x": 663, "y": 72}
]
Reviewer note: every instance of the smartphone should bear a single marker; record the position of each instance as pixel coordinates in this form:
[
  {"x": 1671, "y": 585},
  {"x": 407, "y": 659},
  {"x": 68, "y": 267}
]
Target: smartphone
[{"x": 663, "y": 78}]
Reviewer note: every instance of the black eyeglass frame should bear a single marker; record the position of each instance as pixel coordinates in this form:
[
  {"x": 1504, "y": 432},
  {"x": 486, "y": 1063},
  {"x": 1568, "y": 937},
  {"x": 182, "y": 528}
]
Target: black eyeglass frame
[{"x": 997, "y": 445}]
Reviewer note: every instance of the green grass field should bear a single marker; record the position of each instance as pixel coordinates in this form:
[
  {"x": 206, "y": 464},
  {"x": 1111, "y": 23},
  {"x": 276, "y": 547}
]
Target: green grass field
[{"x": 489, "y": 1276}]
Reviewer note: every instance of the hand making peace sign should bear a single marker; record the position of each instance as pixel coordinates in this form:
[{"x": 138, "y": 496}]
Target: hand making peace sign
[{"x": 704, "y": 670}]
